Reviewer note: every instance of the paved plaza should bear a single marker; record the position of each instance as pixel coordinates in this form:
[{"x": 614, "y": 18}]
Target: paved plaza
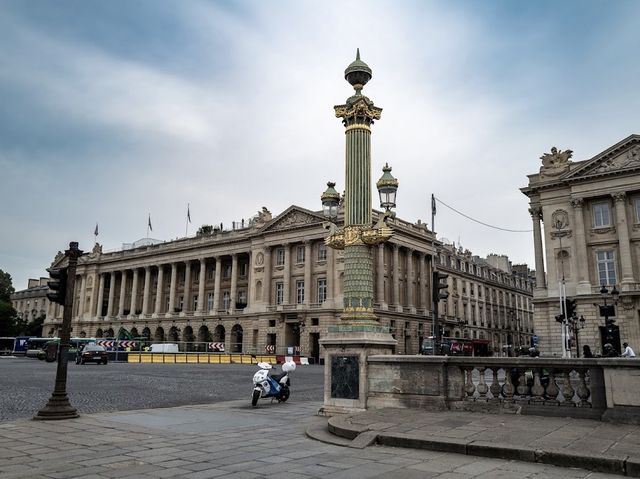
[{"x": 231, "y": 440}]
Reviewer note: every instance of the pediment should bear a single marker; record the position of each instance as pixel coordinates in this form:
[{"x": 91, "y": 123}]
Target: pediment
[
  {"x": 621, "y": 157},
  {"x": 293, "y": 217}
]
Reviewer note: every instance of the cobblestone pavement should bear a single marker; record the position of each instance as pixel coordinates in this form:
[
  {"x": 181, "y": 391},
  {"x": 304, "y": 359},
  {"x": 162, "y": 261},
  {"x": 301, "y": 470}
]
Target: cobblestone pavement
[
  {"x": 229, "y": 440},
  {"x": 26, "y": 385}
]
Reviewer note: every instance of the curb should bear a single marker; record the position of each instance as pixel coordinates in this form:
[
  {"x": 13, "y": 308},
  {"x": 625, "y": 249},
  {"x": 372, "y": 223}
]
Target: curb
[{"x": 351, "y": 435}]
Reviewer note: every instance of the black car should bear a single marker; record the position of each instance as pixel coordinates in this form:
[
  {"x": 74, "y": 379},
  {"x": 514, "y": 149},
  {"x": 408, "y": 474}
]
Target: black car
[{"x": 92, "y": 353}]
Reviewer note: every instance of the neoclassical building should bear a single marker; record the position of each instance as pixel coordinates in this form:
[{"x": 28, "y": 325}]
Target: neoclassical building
[
  {"x": 32, "y": 303},
  {"x": 272, "y": 285},
  {"x": 586, "y": 227}
]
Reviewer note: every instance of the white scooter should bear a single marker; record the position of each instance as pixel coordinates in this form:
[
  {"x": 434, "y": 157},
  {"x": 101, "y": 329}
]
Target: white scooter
[{"x": 274, "y": 386}]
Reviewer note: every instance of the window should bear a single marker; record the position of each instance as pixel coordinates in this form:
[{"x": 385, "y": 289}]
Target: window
[
  {"x": 606, "y": 267},
  {"x": 300, "y": 292},
  {"x": 600, "y": 215},
  {"x": 637, "y": 206},
  {"x": 181, "y": 302},
  {"x": 226, "y": 272},
  {"x": 243, "y": 269},
  {"x": 226, "y": 300},
  {"x": 322, "y": 252},
  {"x": 195, "y": 302},
  {"x": 280, "y": 257},
  {"x": 210, "y": 273},
  {"x": 279, "y": 292},
  {"x": 322, "y": 290},
  {"x": 210, "y": 301},
  {"x": 242, "y": 297},
  {"x": 300, "y": 254},
  {"x": 166, "y": 306},
  {"x": 272, "y": 323},
  {"x": 315, "y": 322}
]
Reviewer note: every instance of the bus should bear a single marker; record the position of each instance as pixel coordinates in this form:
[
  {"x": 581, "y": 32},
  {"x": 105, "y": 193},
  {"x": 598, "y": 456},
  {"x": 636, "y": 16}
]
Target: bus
[
  {"x": 13, "y": 345},
  {"x": 36, "y": 346}
]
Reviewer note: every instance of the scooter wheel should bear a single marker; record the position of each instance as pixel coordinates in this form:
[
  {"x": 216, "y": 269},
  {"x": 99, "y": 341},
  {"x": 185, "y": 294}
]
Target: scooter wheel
[
  {"x": 255, "y": 397},
  {"x": 284, "y": 395}
]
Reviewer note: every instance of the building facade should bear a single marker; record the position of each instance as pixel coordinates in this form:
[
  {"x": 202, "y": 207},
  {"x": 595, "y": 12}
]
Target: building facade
[
  {"x": 586, "y": 226},
  {"x": 270, "y": 286},
  {"x": 32, "y": 303}
]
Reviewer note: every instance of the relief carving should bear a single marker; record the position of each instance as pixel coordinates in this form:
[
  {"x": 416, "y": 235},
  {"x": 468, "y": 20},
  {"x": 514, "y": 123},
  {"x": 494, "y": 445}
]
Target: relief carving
[
  {"x": 620, "y": 196},
  {"x": 260, "y": 259},
  {"x": 293, "y": 219},
  {"x": 560, "y": 219},
  {"x": 577, "y": 203},
  {"x": 556, "y": 162},
  {"x": 601, "y": 231}
]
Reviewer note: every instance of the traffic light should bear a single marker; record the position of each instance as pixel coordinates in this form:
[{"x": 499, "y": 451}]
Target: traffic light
[
  {"x": 440, "y": 283},
  {"x": 57, "y": 285},
  {"x": 570, "y": 307},
  {"x": 560, "y": 318}
]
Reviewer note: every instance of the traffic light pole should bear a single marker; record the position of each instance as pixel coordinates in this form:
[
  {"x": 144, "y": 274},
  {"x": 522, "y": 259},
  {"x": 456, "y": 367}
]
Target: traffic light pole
[
  {"x": 434, "y": 296},
  {"x": 59, "y": 406}
]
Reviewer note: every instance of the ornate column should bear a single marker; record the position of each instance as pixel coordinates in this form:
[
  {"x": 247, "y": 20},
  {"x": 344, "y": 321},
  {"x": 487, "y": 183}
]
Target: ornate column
[
  {"x": 202, "y": 278},
  {"x": 536, "y": 216},
  {"x": 584, "y": 285},
  {"x": 112, "y": 293},
  {"x": 172, "y": 288},
  {"x": 94, "y": 294},
  {"x": 83, "y": 293},
  {"x": 216, "y": 286},
  {"x": 409, "y": 282},
  {"x": 146, "y": 290},
  {"x": 134, "y": 292},
  {"x": 423, "y": 282},
  {"x": 123, "y": 290},
  {"x": 380, "y": 277},
  {"x": 624, "y": 247},
  {"x": 331, "y": 275},
  {"x": 266, "y": 287},
  {"x": 159, "y": 289},
  {"x": 98, "y": 310},
  {"x": 187, "y": 287},
  {"x": 307, "y": 272},
  {"x": 234, "y": 282},
  {"x": 396, "y": 275},
  {"x": 287, "y": 274}
]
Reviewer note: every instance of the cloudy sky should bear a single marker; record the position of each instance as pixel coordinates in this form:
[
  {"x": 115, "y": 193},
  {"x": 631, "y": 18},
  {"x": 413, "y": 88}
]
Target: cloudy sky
[{"x": 113, "y": 110}]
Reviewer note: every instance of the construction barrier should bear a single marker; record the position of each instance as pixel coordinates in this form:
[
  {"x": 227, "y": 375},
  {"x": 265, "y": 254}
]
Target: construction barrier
[{"x": 201, "y": 358}]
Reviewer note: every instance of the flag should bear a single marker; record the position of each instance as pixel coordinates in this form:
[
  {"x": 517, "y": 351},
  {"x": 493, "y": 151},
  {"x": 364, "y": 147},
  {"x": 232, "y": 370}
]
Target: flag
[
  {"x": 433, "y": 204},
  {"x": 150, "y": 227},
  {"x": 95, "y": 232},
  {"x": 188, "y": 214}
]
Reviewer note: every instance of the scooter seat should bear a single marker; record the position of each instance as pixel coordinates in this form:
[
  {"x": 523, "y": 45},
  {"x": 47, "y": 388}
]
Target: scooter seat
[{"x": 277, "y": 377}]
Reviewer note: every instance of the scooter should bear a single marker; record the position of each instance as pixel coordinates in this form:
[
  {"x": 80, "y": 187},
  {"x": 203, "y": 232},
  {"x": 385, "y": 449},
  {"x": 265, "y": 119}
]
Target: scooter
[{"x": 274, "y": 386}]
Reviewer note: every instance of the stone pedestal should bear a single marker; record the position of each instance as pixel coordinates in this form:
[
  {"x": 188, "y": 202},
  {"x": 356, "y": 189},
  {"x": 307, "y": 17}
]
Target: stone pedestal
[{"x": 346, "y": 349}]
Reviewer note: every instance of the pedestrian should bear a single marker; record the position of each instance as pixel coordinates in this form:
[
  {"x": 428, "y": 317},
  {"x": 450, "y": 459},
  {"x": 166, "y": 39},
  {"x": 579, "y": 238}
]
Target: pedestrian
[
  {"x": 628, "y": 352},
  {"x": 609, "y": 352},
  {"x": 586, "y": 351}
]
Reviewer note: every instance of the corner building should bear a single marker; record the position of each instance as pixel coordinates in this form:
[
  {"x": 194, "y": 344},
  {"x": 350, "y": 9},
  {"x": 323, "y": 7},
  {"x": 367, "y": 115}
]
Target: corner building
[{"x": 273, "y": 286}]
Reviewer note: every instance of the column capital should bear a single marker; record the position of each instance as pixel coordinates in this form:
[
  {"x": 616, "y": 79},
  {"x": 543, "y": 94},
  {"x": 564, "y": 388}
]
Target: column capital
[
  {"x": 577, "y": 203},
  {"x": 395, "y": 246},
  {"x": 619, "y": 197},
  {"x": 535, "y": 211}
]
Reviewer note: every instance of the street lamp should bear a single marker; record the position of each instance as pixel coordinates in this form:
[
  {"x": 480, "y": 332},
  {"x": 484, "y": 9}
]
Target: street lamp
[
  {"x": 330, "y": 200},
  {"x": 575, "y": 325},
  {"x": 387, "y": 187},
  {"x": 608, "y": 310}
]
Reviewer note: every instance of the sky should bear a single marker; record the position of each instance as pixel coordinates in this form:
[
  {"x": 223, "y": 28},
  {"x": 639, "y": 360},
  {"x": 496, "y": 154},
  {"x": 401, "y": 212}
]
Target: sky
[{"x": 114, "y": 111}]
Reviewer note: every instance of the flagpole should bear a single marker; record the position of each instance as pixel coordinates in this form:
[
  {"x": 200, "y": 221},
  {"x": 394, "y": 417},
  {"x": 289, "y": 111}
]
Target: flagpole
[
  {"x": 186, "y": 226},
  {"x": 148, "y": 223}
]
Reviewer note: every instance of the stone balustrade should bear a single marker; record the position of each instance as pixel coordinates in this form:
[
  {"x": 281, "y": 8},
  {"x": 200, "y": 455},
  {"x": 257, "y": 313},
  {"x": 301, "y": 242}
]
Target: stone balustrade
[{"x": 585, "y": 388}]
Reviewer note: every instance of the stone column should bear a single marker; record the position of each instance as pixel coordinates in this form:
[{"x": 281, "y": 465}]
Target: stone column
[
  {"x": 187, "y": 286},
  {"x": 380, "y": 276},
  {"x": 624, "y": 247},
  {"x": 423, "y": 282},
  {"x": 146, "y": 290},
  {"x": 331, "y": 274},
  {"x": 396, "y": 275},
  {"x": 287, "y": 273},
  {"x": 112, "y": 293},
  {"x": 536, "y": 216},
  {"x": 83, "y": 293},
  {"x": 216, "y": 286},
  {"x": 98, "y": 310},
  {"x": 123, "y": 290},
  {"x": 134, "y": 292},
  {"x": 202, "y": 278},
  {"x": 159, "y": 289},
  {"x": 409, "y": 283},
  {"x": 583, "y": 286},
  {"x": 266, "y": 287},
  {"x": 94, "y": 294},
  {"x": 307, "y": 272},
  {"x": 234, "y": 283},
  {"x": 172, "y": 287}
]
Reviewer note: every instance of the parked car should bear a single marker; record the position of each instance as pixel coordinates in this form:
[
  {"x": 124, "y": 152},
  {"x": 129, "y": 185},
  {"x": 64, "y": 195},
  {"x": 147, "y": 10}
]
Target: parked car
[{"x": 92, "y": 353}]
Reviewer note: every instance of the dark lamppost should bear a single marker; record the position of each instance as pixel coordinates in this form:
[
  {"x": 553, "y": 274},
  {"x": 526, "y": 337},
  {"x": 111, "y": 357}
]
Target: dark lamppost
[
  {"x": 576, "y": 324},
  {"x": 608, "y": 310},
  {"x": 59, "y": 406}
]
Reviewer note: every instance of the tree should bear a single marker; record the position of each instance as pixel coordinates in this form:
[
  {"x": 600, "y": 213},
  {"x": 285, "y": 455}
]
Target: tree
[
  {"x": 204, "y": 230},
  {"x": 8, "y": 316},
  {"x": 34, "y": 328}
]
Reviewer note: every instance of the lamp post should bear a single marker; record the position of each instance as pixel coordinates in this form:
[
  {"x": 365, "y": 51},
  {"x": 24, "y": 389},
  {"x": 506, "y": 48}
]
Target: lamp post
[
  {"x": 576, "y": 324},
  {"x": 358, "y": 333},
  {"x": 608, "y": 310}
]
